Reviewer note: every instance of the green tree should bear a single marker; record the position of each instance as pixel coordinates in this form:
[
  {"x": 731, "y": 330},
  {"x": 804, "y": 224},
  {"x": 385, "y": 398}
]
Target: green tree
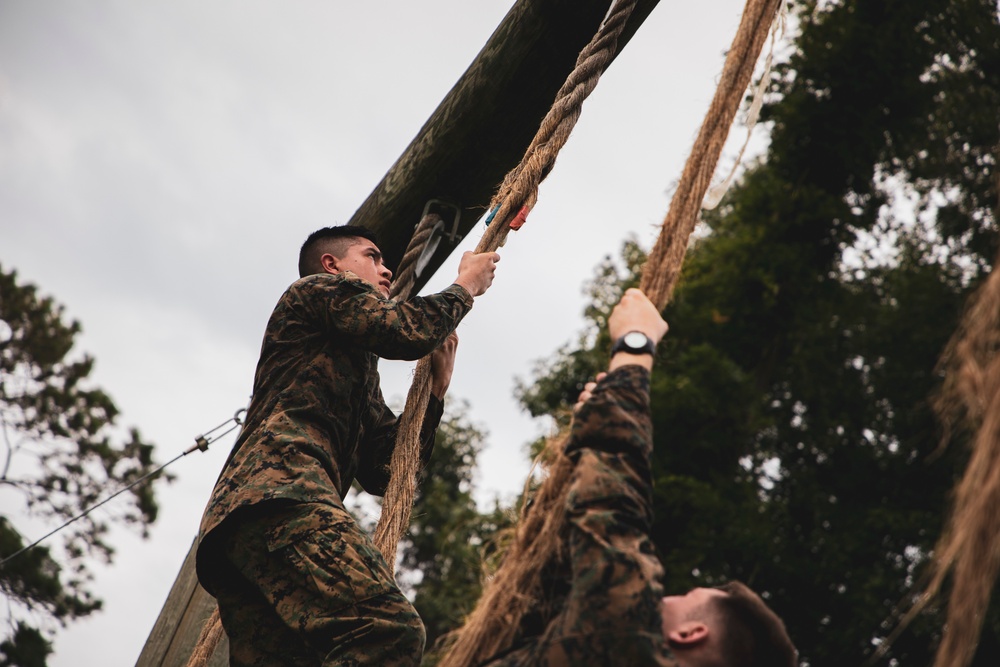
[
  {"x": 796, "y": 449},
  {"x": 61, "y": 453},
  {"x": 450, "y": 541}
]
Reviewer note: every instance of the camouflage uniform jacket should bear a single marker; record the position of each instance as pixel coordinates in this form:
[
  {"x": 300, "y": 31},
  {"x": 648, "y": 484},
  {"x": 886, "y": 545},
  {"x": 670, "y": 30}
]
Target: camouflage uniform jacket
[
  {"x": 604, "y": 610},
  {"x": 317, "y": 418}
]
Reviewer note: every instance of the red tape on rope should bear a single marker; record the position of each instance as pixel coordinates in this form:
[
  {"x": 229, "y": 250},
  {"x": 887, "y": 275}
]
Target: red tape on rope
[{"x": 519, "y": 219}]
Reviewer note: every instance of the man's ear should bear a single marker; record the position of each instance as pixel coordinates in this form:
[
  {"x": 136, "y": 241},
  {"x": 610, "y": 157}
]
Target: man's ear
[
  {"x": 329, "y": 263},
  {"x": 688, "y": 634}
]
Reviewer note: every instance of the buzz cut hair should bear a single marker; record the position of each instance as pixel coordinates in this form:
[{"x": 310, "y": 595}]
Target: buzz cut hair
[
  {"x": 333, "y": 240},
  {"x": 752, "y": 635}
]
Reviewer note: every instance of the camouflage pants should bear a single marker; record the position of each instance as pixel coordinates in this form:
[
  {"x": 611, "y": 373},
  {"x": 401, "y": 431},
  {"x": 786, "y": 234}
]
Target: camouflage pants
[{"x": 306, "y": 586}]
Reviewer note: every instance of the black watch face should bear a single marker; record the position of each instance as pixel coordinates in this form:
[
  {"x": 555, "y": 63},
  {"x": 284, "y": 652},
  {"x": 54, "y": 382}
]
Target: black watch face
[{"x": 635, "y": 340}]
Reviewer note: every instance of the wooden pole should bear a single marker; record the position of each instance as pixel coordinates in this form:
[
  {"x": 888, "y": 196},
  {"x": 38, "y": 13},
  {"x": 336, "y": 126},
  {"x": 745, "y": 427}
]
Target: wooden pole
[
  {"x": 485, "y": 123},
  {"x": 176, "y": 630}
]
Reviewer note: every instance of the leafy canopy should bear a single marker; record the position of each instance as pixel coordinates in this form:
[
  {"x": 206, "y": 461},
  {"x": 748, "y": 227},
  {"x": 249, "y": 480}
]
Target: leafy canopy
[{"x": 60, "y": 453}]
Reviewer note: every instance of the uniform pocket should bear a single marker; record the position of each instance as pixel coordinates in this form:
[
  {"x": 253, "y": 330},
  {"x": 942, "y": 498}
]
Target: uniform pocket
[{"x": 335, "y": 558}]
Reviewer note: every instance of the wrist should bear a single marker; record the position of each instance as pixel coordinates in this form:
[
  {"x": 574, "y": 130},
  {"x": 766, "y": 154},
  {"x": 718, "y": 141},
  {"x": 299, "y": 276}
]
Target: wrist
[
  {"x": 635, "y": 341},
  {"x": 634, "y": 347},
  {"x": 620, "y": 359},
  {"x": 466, "y": 285}
]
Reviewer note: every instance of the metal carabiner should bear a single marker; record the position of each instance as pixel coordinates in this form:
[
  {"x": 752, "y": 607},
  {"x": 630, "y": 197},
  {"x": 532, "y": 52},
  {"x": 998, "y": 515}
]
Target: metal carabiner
[{"x": 437, "y": 232}]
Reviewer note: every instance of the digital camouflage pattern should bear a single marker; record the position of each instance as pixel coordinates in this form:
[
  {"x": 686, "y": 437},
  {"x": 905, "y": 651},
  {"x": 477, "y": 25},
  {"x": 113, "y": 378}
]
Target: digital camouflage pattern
[
  {"x": 317, "y": 418},
  {"x": 608, "y": 614},
  {"x": 310, "y": 588},
  {"x": 317, "y": 421}
]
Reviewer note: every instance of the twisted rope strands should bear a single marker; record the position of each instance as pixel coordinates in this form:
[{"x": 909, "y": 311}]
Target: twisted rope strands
[
  {"x": 519, "y": 189},
  {"x": 492, "y": 625},
  {"x": 405, "y": 462},
  {"x": 663, "y": 265},
  {"x": 520, "y": 186},
  {"x": 406, "y": 272},
  {"x": 397, "y": 503},
  {"x": 968, "y": 549},
  {"x": 211, "y": 634}
]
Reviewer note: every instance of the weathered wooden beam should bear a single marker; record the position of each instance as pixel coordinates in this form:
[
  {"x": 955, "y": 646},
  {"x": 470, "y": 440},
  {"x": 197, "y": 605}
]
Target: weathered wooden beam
[
  {"x": 477, "y": 134},
  {"x": 485, "y": 123},
  {"x": 179, "y": 624}
]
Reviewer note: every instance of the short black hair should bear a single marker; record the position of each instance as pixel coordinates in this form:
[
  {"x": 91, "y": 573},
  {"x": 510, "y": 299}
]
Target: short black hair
[{"x": 327, "y": 240}]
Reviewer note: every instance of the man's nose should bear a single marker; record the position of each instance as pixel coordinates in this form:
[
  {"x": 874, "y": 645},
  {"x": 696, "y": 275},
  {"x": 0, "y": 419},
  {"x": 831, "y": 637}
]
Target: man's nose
[{"x": 386, "y": 272}]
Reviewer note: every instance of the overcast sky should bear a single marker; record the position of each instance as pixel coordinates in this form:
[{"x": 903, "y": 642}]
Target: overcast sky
[{"x": 162, "y": 162}]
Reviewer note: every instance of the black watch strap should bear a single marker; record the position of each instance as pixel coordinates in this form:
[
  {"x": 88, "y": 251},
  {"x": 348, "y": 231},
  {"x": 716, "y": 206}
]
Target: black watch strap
[{"x": 634, "y": 342}]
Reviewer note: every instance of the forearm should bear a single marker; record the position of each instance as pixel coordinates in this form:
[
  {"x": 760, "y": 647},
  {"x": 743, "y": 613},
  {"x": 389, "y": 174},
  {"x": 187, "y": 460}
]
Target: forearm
[
  {"x": 625, "y": 359},
  {"x": 615, "y": 587},
  {"x": 616, "y": 415},
  {"x": 352, "y": 310},
  {"x": 428, "y": 430},
  {"x": 413, "y": 329},
  {"x": 609, "y": 503},
  {"x": 373, "y": 473}
]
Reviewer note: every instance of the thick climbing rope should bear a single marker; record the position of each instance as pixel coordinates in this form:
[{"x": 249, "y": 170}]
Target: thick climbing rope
[
  {"x": 492, "y": 625},
  {"x": 209, "y": 639},
  {"x": 663, "y": 265},
  {"x": 406, "y": 273},
  {"x": 515, "y": 196},
  {"x": 968, "y": 550}
]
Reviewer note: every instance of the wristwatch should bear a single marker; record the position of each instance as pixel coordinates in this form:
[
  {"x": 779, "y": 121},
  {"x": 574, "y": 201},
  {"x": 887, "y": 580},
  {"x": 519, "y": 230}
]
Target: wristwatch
[{"x": 634, "y": 342}]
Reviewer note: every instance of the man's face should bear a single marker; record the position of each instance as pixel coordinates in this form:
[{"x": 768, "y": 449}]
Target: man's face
[
  {"x": 676, "y": 609},
  {"x": 364, "y": 259}
]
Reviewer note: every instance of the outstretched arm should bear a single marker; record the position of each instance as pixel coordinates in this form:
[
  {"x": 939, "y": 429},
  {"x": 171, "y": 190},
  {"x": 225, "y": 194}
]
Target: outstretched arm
[{"x": 612, "y": 613}]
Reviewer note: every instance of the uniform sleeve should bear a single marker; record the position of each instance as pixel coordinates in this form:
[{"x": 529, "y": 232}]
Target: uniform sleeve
[
  {"x": 376, "y": 451},
  {"x": 611, "y": 442},
  {"x": 353, "y": 309},
  {"x": 611, "y": 615}
]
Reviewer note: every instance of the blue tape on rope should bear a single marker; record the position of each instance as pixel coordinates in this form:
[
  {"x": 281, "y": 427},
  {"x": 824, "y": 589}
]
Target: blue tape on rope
[{"x": 492, "y": 214}]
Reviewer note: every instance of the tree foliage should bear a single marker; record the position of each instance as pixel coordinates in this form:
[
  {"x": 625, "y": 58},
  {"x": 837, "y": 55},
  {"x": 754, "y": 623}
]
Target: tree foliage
[
  {"x": 450, "y": 541},
  {"x": 61, "y": 453},
  {"x": 796, "y": 449}
]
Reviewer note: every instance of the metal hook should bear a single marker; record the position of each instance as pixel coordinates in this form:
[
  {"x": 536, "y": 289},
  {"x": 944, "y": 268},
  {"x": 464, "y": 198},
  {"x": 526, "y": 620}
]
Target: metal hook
[{"x": 437, "y": 232}]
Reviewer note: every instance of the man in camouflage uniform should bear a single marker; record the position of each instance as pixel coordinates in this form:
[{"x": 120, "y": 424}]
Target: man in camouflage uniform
[
  {"x": 297, "y": 581},
  {"x": 608, "y": 607}
]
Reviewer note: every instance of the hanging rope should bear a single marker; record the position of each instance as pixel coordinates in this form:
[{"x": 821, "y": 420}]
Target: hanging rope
[
  {"x": 968, "y": 550},
  {"x": 406, "y": 272},
  {"x": 493, "y": 624},
  {"x": 718, "y": 191},
  {"x": 515, "y": 196},
  {"x": 663, "y": 265},
  {"x": 211, "y": 634}
]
